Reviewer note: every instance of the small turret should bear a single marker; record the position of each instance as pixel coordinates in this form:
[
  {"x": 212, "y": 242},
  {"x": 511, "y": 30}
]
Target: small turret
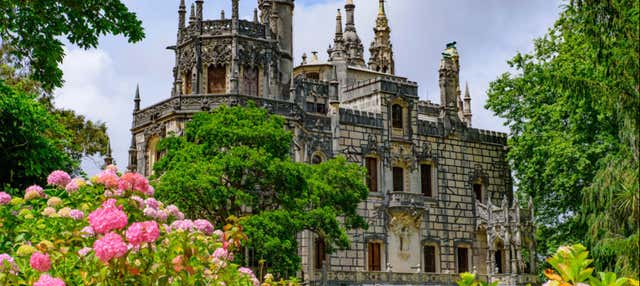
[
  {"x": 352, "y": 44},
  {"x": 192, "y": 15},
  {"x": 199, "y": 9},
  {"x": 108, "y": 160},
  {"x": 222, "y": 15},
  {"x": 182, "y": 10},
  {"x": 336, "y": 52}
]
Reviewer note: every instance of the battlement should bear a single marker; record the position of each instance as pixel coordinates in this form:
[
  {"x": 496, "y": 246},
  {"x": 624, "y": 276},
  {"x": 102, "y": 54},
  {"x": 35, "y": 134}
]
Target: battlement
[
  {"x": 223, "y": 28},
  {"x": 386, "y": 84},
  {"x": 357, "y": 117}
]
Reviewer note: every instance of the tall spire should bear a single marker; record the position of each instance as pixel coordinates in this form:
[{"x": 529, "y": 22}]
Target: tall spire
[
  {"x": 192, "y": 14},
  {"x": 339, "y": 24},
  {"x": 336, "y": 52},
  {"x": 381, "y": 49},
  {"x": 199, "y": 9}
]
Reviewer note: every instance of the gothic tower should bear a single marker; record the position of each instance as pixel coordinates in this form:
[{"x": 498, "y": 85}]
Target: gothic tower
[
  {"x": 381, "y": 49},
  {"x": 353, "y": 45},
  {"x": 279, "y": 15}
]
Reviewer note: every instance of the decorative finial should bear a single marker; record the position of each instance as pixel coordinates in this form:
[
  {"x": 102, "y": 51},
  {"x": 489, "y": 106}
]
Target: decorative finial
[
  {"x": 304, "y": 59},
  {"x": 182, "y": 7},
  {"x": 108, "y": 160},
  {"x": 349, "y": 2},
  {"x": 234, "y": 9},
  {"x": 314, "y": 57},
  {"x": 466, "y": 90},
  {"x": 192, "y": 13},
  {"x": 221, "y": 14},
  {"x": 255, "y": 15},
  {"x": 381, "y": 11}
]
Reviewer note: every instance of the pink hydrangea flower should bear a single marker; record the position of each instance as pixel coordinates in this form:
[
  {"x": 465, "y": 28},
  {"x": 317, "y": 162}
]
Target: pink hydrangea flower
[
  {"x": 35, "y": 188},
  {"x": 204, "y": 226},
  {"x": 139, "y": 201},
  {"x": 222, "y": 253},
  {"x": 109, "y": 246},
  {"x": 40, "y": 261},
  {"x": 152, "y": 203},
  {"x": 76, "y": 214},
  {"x": 33, "y": 192},
  {"x": 185, "y": 224},
  {"x": 84, "y": 251},
  {"x": 72, "y": 186},
  {"x": 175, "y": 212},
  {"x": 58, "y": 178},
  {"x": 141, "y": 232},
  {"x": 46, "y": 280},
  {"x": 150, "y": 212},
  {"x": 249, "y": 272},
  {"x": 87, "y": 231},
  {"x": 108, "y": 217},
  {"x": 161, "y": 216},
  {"x": 14, "y": 269},
  {"x": 135, "y": 182},
  {"x": 108, "y": 178},
  {"x": 111, "y": 168},
  {"x": 4, "y": 198}
]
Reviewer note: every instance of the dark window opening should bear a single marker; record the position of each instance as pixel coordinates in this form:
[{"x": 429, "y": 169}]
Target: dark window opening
[
  {"x": 463, "y": 259},
  {"x": 477, "y": 191},
  {"x": 425, "y": 180},
  {"x": 216, "y": 79},
  {"x": 396, "y": 116},
  {"x": 374, "y": 256},
  {"x": 498, "y": 260},
  {"x": 372, "y": 174},
  {"x": 321, "y": 108},
  {"x": 187, "y": 83},
  {"x": 398, "y": 179},
  {"x": 429, "y": 258},
  {"x": 320, "y": 253},
  {"x": 316, "y": 159}
]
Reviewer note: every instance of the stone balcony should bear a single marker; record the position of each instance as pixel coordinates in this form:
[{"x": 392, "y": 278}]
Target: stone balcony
[
  {"x": 406, "y": 200},
  {"x": 337, "y": 278}
]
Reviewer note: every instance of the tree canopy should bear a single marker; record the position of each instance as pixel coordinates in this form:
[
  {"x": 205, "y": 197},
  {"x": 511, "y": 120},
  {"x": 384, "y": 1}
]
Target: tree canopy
[
  {"x": 35, "y": 29},
  {"x": 572, "y": 108},
  {"x": 235, "y": 162}
]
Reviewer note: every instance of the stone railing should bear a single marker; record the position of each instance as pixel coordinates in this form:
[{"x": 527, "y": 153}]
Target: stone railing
[
  {"x": 492, "y": 214},
  {"x": 335, "y": 278},
  {"x": 405, "y": 200},
  {"x": 194, "y": 103},
  {"x": 223, "y": 27}
]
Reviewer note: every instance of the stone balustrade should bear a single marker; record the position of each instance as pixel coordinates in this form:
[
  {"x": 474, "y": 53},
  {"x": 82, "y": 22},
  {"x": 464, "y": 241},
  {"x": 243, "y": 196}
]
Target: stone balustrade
[
  {"x": 335, "y": 278},
  {"x": 406, "y": 200}
]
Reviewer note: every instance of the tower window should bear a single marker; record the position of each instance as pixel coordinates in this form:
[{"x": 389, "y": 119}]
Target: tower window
[
  {"x": 396, "y": 116},
  {"x": 373, "y": 255},
  {"x": 372, "y": 173},
  {"x": 477, "y": 191},
  {"x": 398, "y": 179},
  {"x": 425, "y": 180},
  {"x": 216, "y": 79},
  {"x": 316, "y": 159},
  {"x": 429, "y": 258}
]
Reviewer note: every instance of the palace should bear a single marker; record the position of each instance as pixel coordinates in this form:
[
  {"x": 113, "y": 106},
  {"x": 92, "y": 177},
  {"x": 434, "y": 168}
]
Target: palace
[{"x": 441, "y": 199}]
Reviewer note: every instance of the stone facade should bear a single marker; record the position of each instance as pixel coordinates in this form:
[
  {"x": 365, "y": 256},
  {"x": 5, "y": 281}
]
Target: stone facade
[{"x": 441, "y": 193}]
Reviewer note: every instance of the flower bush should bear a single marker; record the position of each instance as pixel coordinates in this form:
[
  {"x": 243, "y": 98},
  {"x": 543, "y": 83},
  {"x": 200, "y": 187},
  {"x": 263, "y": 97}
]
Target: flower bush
[{"x": 111, "y": 231}]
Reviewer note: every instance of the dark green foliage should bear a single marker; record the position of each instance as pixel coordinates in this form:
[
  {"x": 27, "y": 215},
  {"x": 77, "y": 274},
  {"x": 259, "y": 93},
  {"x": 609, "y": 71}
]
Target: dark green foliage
[
  {"x": 236, "y": 159},
  {"x": 31, "y": 139},
  {"x": 573, "y": 113},
  {"x": 35, "y": 28}
]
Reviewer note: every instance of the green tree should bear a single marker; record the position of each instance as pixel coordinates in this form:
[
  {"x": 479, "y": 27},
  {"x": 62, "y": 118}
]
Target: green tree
[
  {"x": 572, "y": 108},
  {"x": 235, "y": 162},
  {"x": 31, "y": 139},
  {"x": 35, "y": 28}
]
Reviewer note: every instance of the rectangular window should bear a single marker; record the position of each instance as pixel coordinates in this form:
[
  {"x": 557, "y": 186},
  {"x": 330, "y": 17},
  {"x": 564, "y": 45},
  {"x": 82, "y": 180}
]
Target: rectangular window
[
  {"x": 374, "y": 256},
  {"x": 310, "y": 107},
  {"x": 320, "y": 253},
  {"x": 425, "y": 180},
  {"x": 216, "y": 79},
  {"x": 398, "y": 179},
  {"x": 429, "y": 258},
  {"x": 187, "y": 83},
  {"x": 463, "y": 259},
  {"x": 321, "y": 108},
  {"x": 477, "y": 191},
  {"x": 372, "y": 174}
]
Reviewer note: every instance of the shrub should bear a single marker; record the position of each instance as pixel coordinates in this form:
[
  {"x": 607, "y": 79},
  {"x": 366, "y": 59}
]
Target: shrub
[{"x": 111, "y": 231}]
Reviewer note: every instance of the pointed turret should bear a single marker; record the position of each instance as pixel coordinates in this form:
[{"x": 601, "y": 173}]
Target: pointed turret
[
  {"x": 337, "y": 51},
  {"x": 467, "y": 105},
  {"x": 192, "y": 14},
  {"x": 199, "y": 9},
  {"x": 352, "y": 44},
  {"x": 381, "y": 49},
  {"x": 449, "y": 79},
  {"x": 108, "y": 160}
]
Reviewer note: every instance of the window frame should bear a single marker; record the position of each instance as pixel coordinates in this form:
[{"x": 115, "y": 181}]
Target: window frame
[
  {"x": 468, "y": 262},
  {"x": 436, "y": 257},
  {"x": 370, "y": 257},
  {"x": 400, "y": 186},
  {"x": 369, "y": 180},
  {"x": 397, "y": 116}
]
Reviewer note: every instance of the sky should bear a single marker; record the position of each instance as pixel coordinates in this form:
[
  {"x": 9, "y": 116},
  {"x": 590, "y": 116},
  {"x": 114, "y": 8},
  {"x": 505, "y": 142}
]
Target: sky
[{"x": 100, "y": 83}]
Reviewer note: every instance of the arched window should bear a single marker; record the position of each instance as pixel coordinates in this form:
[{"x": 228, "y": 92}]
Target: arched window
[
  {"x": 216, "y": 79},
  {"x": 396, "y": 116},
  {"x": 477, "y": 191}
]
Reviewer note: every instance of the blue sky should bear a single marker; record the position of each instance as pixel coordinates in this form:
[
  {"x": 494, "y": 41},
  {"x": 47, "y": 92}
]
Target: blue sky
[{"x": 100, "y": 83}]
